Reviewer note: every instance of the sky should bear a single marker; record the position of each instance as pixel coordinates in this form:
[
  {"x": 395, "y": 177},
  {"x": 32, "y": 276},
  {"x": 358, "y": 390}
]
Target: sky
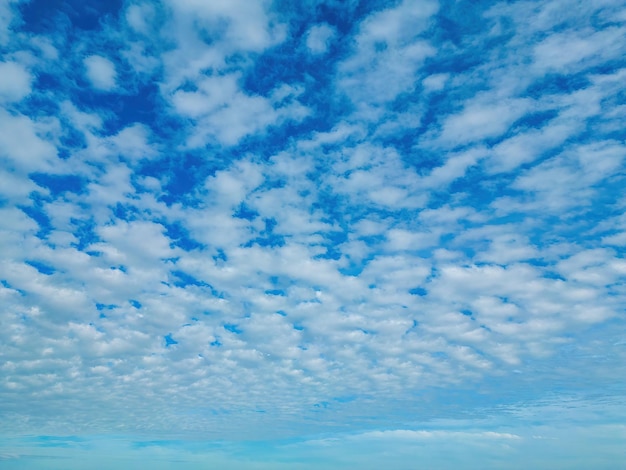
[{"x": 254, "y": 234}]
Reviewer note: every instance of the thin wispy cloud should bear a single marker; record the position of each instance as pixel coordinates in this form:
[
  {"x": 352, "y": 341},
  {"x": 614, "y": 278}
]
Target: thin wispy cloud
[{"x": 333, "y": 229}]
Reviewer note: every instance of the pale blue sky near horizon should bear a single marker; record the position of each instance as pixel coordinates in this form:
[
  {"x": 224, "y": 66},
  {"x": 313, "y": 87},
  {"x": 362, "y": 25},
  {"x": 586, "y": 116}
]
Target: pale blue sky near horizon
[{"x": 259, "y": 234}]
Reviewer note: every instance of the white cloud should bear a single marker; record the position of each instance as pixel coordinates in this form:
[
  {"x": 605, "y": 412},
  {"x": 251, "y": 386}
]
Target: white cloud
[
  {"x": 619, "y": 239},
  {"x": 388, "y": 53},
  {"x": 101, "y": 72},
  {"x": 406, "y": 434},
  {"x": 579, "y": 171},
  {"x": 455, "y": 167},
  {"x": 570, "y": 51},
  {"x": 527, "y": 146},
  {"x": 227, "y": 114},
  {"x": 318, "y": 38},
  {"x": 435, "y": 82},
  {"x": 378, "y": 176},
  {"x": 21, "y": 145},
  {"x": 232, "y": 28},
  {"x": 46, "y": 47},
  {"x": 132, "y": 143},
  {"x": 482, "y": 119},
  {"x": 6, "y": 17},
  {"x": 139, "y": 17},
  {"x": 248, "y": 25},
  {"x": 139, "y": 59},
  {"x": 83, "y": 121},
  {"x": 125, "y": 241},
  {"x": 15, "y": 187},
  {"x": 15, "y": 81}
]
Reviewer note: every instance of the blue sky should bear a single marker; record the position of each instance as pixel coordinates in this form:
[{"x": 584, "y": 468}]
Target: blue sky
[{"x": 344, "y": 234}]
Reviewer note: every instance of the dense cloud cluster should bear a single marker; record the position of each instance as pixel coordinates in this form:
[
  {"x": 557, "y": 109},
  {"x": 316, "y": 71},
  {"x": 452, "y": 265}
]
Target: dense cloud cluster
[{"x": 225, "y": 216}]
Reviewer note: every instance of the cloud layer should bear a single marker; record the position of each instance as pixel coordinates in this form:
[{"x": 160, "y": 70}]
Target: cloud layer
[{"x": 228, "y": 217}]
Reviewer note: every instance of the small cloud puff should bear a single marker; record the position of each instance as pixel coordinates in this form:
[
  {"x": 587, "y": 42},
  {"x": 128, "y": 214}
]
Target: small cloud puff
[
  {"x": 318, "y": 38},
  {"x": 100, "y": 72},
  {"x": 139, "y": 17},
  {"x": 15, "y": 82},
  {"x": 435, "y": 82}
]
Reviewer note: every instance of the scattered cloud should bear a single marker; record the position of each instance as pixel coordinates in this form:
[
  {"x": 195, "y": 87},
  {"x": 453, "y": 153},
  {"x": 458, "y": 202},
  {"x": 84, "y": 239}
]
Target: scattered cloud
[
  {"x": 339, "y": 226},
  {"x": 15, "y": 81},
  {"x": 318, "y": 38},
  {"x": 100, "y": 72}
]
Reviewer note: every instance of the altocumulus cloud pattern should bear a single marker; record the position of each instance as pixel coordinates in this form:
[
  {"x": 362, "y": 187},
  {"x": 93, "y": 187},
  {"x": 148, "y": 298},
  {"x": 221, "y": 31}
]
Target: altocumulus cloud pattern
[{"x": 317, "y": 234}]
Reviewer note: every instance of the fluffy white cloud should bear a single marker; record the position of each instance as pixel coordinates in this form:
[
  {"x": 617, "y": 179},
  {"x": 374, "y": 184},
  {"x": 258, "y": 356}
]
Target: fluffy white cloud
[
  {"x": 227, "y": 114},
  {"x": 572, "y": 51},
  {"x": 21, "y": 145},
  {"x": 248, "y": 25},
  {"x": 100, "y": 72},
  {"x": 209, "y": 34},
  {"x": 139, "y": 17},
  {"x": 318, "y": 38},
  {"x": 388, "y": 53},
  {"x": 480, "y": 120},
  {"x": 15, "y": 81}
]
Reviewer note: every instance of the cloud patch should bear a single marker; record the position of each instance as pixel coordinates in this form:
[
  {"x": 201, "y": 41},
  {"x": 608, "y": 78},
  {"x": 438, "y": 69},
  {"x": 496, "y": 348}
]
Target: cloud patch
[
  {"x": 318, "y": 38},
  {"x": 100, "y": 72}
]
